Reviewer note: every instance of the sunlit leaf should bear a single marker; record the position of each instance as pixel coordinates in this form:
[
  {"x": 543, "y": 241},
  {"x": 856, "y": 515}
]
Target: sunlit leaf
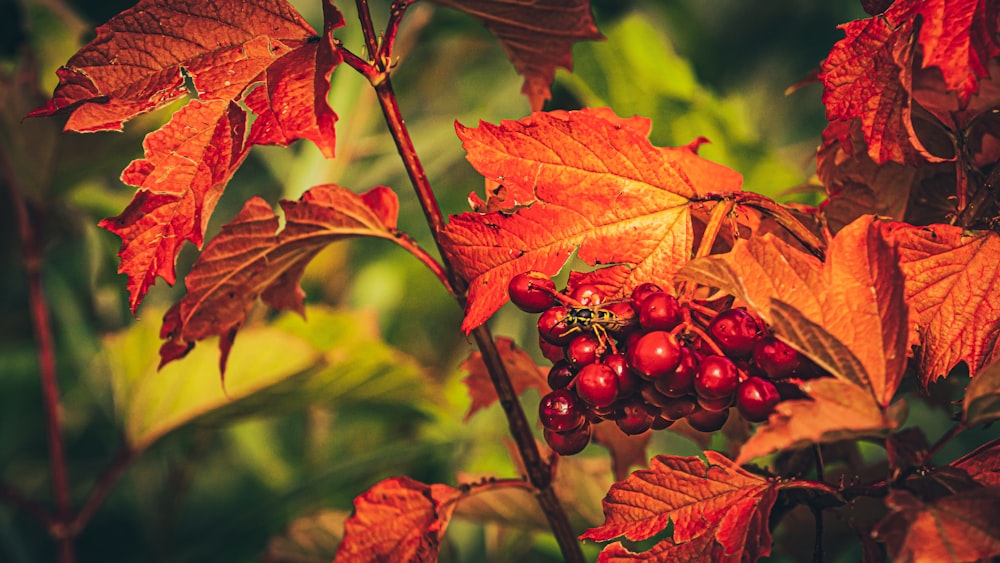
[{"x": 336, "y": 359}]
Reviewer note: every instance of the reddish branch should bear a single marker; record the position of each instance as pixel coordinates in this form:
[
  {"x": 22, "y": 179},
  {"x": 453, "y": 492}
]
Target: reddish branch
[
  {"x": 539, "y": 472},
  {"x": 45, "y": 347}
]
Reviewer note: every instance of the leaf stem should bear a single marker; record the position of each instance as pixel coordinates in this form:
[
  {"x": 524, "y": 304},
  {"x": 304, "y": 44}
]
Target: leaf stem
[
  {"x": 817, "y": 556},
  {"x": 102, "y": 488},
  {"x": 942, "y": 441},
  {"x": 36, "y": 510},
  {"x": 368, "y": 28},
  {"x": 539, "y": 472},
  {"x": 45, "y": 346}
]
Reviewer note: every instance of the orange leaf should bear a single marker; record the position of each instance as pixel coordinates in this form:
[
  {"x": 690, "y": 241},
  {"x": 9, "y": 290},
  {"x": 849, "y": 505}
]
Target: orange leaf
[
  {"x": 522, "y": 370},
  {"x": 250, "y": 258},
  {"x": 538, "y": 35},
  {"x": 719, "y": 511},
  {"x": 955, "y": 528},
  {"x": 836, "y": 410},
  {"x": 951, "y": 280},
  {"x": 188, "y": 163},
  {"x": 398, "y": 519},
  {"x": 856, "y": 297},
  {"x": 594, "y": 186},
  {"x": 983, "y": 464}
]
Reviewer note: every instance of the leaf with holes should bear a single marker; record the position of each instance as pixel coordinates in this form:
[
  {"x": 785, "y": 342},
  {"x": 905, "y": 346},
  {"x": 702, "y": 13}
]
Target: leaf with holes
[
  {"x": 260, "y": 53},
  {"x": 250, "y": 258},
  {"x": 590, "y": 185}
]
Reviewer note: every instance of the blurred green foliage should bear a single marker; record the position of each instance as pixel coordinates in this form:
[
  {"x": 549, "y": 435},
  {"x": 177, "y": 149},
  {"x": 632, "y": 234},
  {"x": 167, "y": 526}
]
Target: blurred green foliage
[{"x": 315, "y": 411}]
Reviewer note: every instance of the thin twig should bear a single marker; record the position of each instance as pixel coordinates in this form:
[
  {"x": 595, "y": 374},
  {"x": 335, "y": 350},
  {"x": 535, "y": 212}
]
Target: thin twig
[
  {"x": 942, "y": 441},
  {"x": 45, "y": 347},
  {"x": 368, "y": 28},
  {"x": 102, "y": 488},
  {"x": 36, "y": 510}
]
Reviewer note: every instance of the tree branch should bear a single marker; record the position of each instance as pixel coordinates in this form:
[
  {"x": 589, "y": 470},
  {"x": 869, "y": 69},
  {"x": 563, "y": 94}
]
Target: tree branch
[{"x": 45, "y": 346}]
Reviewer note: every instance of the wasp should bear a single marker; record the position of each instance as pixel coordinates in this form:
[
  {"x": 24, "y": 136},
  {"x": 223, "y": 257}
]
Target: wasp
[{"x": 614, "y": 318}]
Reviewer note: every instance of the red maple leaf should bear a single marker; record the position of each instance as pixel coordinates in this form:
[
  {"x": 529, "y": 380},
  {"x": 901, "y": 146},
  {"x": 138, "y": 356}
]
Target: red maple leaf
[
  {"x": 870, "y": 73},
  {"x": 719, "y": 511},
  {"x": 398, "y": 519},
  {"x": 523, "y": 372},
  {"x": 951, "y": 279},
  {"x": 251, "y": 258},
  {"x": 538, "y": 36},
  {"x": 585, "y": 184},
  {"x": 954, "y": 528},
  {"x": 259, "y": 52}
]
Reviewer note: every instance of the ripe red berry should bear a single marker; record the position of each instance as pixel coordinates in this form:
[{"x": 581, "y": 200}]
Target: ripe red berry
[
  {"x": 597, "y": 384},
  {"x": 660, "y": 311},
  {"x": 676, "y": 409},
  {"x": 659, "y": 423},
  {"x": 716, "y": 378},
  {"x": 735, "y": 331},
  {"x": 715, "y": 404},
  {"x": 570, "y": 442},
  {"x": 628, "y": 383},
  {"x": 642, "y": 291},
  {"x": 560, "y": 411},
  {"x": 582, "y": 350},
  {"x": 776, "y": 359},
  {"x": 552, "y": 326},
  {"x": 532, "y": 291},
  {"x": 708, "y": 421},
  {"x": 587, "y": 295},
  {"x": 755, "y": 399},
  {"x": 633, "y": 417},
  {"x": 680, "y": 382},
  {"x": 654, "y": 354},
  {"x": 560, "y": 375}
]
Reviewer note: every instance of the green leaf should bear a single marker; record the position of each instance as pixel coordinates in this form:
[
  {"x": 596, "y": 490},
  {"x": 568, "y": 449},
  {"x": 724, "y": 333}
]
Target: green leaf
[
  {"x": 982, "y": 396},
  {"x": 334, "y": 359}
]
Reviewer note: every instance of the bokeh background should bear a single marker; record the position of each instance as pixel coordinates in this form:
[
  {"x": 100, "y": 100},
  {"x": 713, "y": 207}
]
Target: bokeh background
[{"x": 371, "y": 385}]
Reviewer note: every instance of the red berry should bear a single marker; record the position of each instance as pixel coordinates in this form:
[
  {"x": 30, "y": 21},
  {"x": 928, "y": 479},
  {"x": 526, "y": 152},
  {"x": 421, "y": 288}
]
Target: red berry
[
  {"x": 755, "y": 398},
  {"x": 735, "y": 331},
  {"x": 582, "y": 350},
  {"x": 560, "y": 411},
  {"x": 708, "y": 421},
  {"x": 654, "y": 354},
  {"x": 587, "y": 295},
  {"x": 550, "y": 351},
  {"x": 676, "y": 409},
  {"x": 715, "y": 404},
  {"x": 633, "y": 417},
  {"x": 659, "y": 423},
  {"x": 532, "y": 291},
  {"x": 552, "y": 326},
  {"x": 717, "y": 378},
  {"x": 642, "y": 291},
  {"x": 628, "y": 383},
  {"x": 660, "y": 311},
  {"x": 680, "y": 382},
  {"x": 652, "y": 396},
  {"x": 597, "y": 384},
  {"x": 560, "y": 375},
  {"x": 570, "y": 442},
  {"x": 776, "y": 359}
]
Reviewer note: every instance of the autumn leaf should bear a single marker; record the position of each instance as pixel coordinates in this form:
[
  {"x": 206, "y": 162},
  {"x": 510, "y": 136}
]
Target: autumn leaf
[
  {"x": 869, "y": 74},
  {"x": 719, "y": 511},
  {"x": 586, "y": 184},
  {"x": 261, "y": 53},
  {"x": 251, "y": 258},
  {"x": 398, "y": 519},
  {"x": 959, "y": 527},
  {"x": 524, "y": 374},
  {"x": 982, "y": 396},
  {"x": 983, "y": 464},
  {"x": 856, "y": 297},
  {"x": 951, "y": 276},
  {"x": 835, "y": 410},
  {"x": 538, "y": 36}
]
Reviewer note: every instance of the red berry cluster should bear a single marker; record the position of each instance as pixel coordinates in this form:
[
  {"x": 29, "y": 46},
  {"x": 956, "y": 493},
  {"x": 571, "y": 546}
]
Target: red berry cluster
[{"x": 648, "y": 360}]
